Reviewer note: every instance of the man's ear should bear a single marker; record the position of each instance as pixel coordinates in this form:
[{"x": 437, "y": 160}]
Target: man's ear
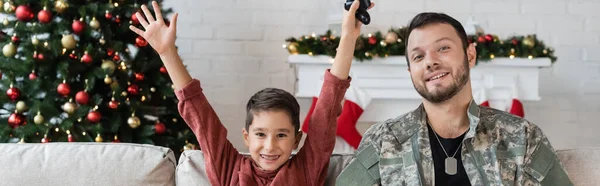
[
  {"x": 472, "y": 55},
  {"x": 245, "y": 134},
  {"x": 298, "y": 139}
]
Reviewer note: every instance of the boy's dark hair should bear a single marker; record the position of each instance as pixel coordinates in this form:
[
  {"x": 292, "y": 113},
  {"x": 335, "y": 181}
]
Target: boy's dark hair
[
  {"x": 273, "y": 99},
  {"x": 427, "y": 18}
]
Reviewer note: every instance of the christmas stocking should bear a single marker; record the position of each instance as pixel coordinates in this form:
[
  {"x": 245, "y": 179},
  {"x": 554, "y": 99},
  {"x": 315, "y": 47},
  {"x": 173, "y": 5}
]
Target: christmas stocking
[
  {"x": 355, "y": 101},
  {"x": 516, "y": 107}
]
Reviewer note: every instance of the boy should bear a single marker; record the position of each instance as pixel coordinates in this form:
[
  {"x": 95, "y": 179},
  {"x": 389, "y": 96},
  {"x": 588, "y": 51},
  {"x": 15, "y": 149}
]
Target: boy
[{"x": 272, "y": 125}]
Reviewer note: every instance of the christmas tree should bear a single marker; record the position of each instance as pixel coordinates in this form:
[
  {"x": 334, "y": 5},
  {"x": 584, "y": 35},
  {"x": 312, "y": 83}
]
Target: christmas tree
[{"x": 72, "y": 71}]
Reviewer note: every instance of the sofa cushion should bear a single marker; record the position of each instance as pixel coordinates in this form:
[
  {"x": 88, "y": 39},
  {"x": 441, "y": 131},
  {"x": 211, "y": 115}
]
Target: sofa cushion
[
  {"x": 191, "y": 170},
  {"x": 582, "y": 165},
  {"x": 86, "y": 164}
]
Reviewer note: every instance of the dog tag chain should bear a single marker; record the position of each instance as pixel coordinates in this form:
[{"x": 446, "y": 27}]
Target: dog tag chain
[{"x": 450, "y": 163}]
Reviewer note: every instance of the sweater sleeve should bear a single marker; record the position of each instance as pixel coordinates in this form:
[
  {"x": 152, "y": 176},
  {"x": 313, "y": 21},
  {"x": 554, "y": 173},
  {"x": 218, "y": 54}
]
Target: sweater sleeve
[
  {"x": 320, "y": 139},
  {"x": 220, "y": 156}
]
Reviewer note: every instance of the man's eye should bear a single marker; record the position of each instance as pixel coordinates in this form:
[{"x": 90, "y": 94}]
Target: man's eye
[
  {"x": 260, "y": 134},
  {"x": 281, "y": 135}
]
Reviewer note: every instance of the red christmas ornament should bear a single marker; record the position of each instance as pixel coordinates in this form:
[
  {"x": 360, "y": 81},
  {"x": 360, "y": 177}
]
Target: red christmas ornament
[
  {"x": 87, "y": 58},
  {"x": 110, "y": 52},
  {"x": 63, "y": 89},
  {"x": 481, "y": 39},
  {"x": 372, "y": 40},
  {"x": 113, "y": 104},
  {"x": 15, "y": 120},
  {"x": 515, "y": 41},
  {"x": 14, "y": 39},
  {"x": 116, "y": 140},
  {"x": 32, "y": 76},
  {"x": 133, "y": 89},
  {"x": 116, "y": 57},
  {"x": 324, "y": 38},
  {"x": 139, "y": 76},
  {"x": 163, "y": 70},
  {"x": 118, "y": 19},
  {"x": 108, "y": 15},
  {"x": 24, "y": 13},
  {"x": 13, "y": 93},
  {"x": 45, "y": 140},
  {"x": 82, "y": 97},
  {"x": 160, "y": 128},
  {"x": 140, "y": 42},
  {"x": 73, "y": 56},
  {"x": 134, "y": 19},
  {"x": 70, "y": 138},
  {"x": 44, "y": 16},
  {"x": 40, "y": 56},
  {"x": 94, "y": 116},
  {"x": 489, "y": 38},
  {"x": 78, "y": 26}
]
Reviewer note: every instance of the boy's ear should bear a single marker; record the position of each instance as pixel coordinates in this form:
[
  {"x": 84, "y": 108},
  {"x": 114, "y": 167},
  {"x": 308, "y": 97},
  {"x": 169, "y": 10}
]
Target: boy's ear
[
  {"x": 298, "y": 139},
  {"x": 245, "y": 134}
]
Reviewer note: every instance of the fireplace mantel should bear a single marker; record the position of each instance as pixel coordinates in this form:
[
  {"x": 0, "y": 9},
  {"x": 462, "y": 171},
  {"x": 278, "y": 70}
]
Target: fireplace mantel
[{"x": 387, "y": 80}]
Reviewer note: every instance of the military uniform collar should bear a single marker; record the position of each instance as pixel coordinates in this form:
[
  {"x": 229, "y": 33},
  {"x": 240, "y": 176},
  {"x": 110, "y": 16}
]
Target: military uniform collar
[{"x": 420, "y": 116}]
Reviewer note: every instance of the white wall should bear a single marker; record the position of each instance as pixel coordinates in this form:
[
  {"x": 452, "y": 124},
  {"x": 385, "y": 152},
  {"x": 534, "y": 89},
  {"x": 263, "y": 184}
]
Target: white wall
[{"x": 234, "y": 48}]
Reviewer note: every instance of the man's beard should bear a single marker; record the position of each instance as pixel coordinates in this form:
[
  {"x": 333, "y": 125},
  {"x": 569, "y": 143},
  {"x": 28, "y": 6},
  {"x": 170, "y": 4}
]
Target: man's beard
[{"x": 445, "y": 93}]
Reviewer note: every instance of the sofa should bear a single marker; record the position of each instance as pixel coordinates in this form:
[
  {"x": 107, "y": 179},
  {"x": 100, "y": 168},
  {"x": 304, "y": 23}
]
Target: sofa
[{"x": 118, "y": 164}]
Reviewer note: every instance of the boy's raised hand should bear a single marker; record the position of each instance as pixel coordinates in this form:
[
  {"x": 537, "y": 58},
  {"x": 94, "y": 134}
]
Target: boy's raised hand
[
  {"x": 350, "y": 25},
  {"x": 160, "y": 36}
]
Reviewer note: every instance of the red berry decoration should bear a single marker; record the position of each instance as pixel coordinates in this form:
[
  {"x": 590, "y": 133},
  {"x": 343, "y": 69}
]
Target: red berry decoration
[
  {"x": 133, "y": 89},
  {"x": 73, "y": 56},
  {"x": 63, "y": 89},
  {"x": 110, "y": 52},
  {"x": 160, "y": 128},
  {"x": 140, "y": 42},
  {"x": 14, "y": 39},
  {"x": 13, "y": 93},
  {"x": 24, "y": 13},
  {"x": 45, "y": 140},
  {"x": 78, "y": 26},
  {"x": 82, "y": 97},
  {"x": 94, "y": 116},
  {"x": 32, "y": 76},
  {"x": 515, "y": 41},
  {"x": 489, "y": 38},
  {"x": 15, "y": 120},
  {"x": 139, "y": 76},
  {"x": 86, "y": 58},
  {"x": 116, "y": 57},
  {"x": 44, "y": 16},
  {"x": 372, "y": 40},
  {"x": 163, "y": 70},
  {"x": 118, "y": 19},
  {"x": 481, "y": 39}
]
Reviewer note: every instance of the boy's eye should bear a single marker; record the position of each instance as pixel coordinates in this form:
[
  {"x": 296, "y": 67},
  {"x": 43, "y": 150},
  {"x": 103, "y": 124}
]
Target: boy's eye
[
  {"x": 444, "y": 48},
  {"x": 260, "y": 134},
  {"x": 281, "y": 135},
  {"x": 417, "y": 57}
]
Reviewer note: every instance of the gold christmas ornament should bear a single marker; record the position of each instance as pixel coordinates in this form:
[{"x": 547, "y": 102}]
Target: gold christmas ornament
[
  {"x": 69, "y": 107},
  {"x": 95, "y": 24},
  {"x": 38, "y": 119},
  {"x": 529, "y": 41},
  {"x": 21, "y": 107},
  {"x": 545, "y": 51},
  {"x": 60, "y": 6},
  {"x": 133, "y": 121},
  {"x": 35, "y": 40},
  {"x": 68, "y": 41},
  {"x": 108, "y": 66},
  {"x": 9, "y": 7},
  {"x": 391, "y": 37},
  {"x": 9, "y": 50},
  {"x": 99, "y": 139},
  {"x": 101, "y": 40},
  {"x": 108, "y": 80},
  {"x": 5, "y": 22},
  {"x": 22, "y": 141},
  {"x": 293, "y": 48},
  {"x": 152, "y": 89}
]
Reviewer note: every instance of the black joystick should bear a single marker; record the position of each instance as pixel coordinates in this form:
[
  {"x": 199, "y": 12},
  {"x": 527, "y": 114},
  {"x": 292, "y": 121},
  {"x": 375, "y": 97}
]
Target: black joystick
[{"x": 361, "y": 14}]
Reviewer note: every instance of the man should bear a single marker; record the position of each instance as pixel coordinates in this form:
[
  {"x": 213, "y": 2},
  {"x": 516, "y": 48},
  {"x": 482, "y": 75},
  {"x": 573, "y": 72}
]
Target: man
[{"x": 449, "y": 139}]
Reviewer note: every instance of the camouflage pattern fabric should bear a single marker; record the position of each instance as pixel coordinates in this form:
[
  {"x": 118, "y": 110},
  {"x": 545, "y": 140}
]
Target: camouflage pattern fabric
[{"x": 499, "y": 149}]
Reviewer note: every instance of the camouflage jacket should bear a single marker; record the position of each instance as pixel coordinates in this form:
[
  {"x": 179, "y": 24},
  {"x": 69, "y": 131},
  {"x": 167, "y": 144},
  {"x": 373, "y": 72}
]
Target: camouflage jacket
[{"x": 499, "y": 149}]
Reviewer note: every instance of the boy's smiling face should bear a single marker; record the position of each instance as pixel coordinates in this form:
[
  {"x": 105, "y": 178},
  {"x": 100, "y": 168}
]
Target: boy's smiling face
[{"x": 271, "y": 138}]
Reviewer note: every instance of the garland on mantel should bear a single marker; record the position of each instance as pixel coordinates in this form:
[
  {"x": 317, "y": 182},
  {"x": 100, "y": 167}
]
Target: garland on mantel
[{"x": 489, "y": 46}]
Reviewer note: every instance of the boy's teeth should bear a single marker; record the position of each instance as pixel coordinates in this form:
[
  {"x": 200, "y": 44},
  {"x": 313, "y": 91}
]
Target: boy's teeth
[{"x": 269, "y": 157}]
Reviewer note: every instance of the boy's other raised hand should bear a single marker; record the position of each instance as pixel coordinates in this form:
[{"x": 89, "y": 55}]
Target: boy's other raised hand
[{"x": 160, "y": 36}]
